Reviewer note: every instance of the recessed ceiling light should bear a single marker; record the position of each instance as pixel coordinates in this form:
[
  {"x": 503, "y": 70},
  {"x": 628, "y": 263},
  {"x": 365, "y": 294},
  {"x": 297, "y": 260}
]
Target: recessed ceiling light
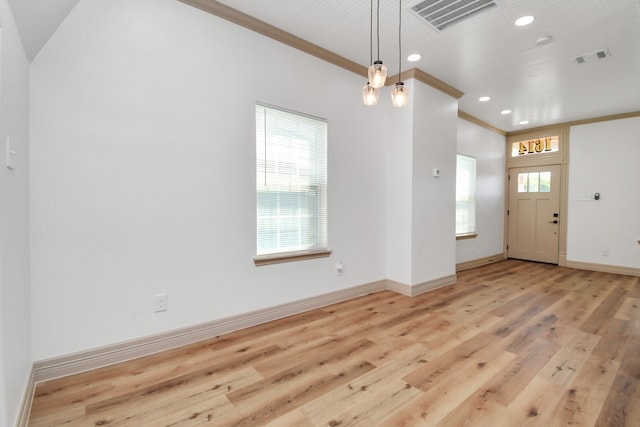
[
  {"x": 524, "y": 122},
  {"x": 414, "y": 57},
  {"x": 505, "y": 112},
  {"x": 484, "y": 98},
  {"x": 525, "y": 20}
]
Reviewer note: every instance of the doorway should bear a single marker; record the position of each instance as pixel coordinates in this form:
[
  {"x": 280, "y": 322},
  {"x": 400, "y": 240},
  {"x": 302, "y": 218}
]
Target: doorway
[{"x": 534, "y": 213}]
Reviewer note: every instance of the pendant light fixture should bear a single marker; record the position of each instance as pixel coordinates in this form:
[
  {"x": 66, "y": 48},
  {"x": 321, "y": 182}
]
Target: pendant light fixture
[
  {"x": 377, "y": 71},
  {"x": 400, "y": 93},
  {"x": 370, "y": 93}
]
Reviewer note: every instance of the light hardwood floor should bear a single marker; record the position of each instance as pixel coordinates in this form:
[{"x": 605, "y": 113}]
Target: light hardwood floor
[{"x": 511, "y": 344}]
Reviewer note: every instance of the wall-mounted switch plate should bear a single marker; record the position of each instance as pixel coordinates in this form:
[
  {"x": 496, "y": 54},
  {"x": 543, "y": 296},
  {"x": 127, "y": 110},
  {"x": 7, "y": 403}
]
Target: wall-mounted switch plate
[{"x": 11, "y": 154}]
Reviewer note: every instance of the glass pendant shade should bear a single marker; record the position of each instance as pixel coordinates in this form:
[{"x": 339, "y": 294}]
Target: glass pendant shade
[
  {"x": 377, "y": 74},
  {"x": 370, "y": 94},
  {"x": 399, "y": 95}
]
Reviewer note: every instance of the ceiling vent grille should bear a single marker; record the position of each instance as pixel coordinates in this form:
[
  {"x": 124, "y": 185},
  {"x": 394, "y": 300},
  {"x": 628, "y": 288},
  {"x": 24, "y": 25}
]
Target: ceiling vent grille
[
  {"x": 441, "y": 14},
  {"x": 593, "y": 56}
]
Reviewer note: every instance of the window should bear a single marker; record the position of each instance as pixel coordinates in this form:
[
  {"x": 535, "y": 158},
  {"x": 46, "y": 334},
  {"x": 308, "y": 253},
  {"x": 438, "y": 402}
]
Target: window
[
  {"x": 465, "y": 195},
  {"x": 534, "y": 182},
  {"x": 291, "y": 182},
  {"x": 535, "y": 146}
]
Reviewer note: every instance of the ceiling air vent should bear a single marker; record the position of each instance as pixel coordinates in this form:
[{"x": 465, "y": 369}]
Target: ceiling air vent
[
  {"x": 441, "y": 14},
  {"x": 593, "y": 56}
]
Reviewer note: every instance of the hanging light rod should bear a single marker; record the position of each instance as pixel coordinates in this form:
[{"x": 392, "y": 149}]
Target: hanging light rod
[
  {"x": 377, "y": 71},
  {"x": 369, "y": 93},
  {"x": 400, "y": 93}
]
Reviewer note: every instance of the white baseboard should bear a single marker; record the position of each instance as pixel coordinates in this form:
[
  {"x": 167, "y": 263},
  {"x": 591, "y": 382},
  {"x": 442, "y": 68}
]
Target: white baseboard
[
  {"x": 104, "y": 356},
  {"x": 480, "y": 262},
  {"x": 562, "y": 259},
  {"x": 414, "y": 290},
  {"x": 604, "y": 268},
  {"x": 27, "y": 399},
  {"x": 49, "y": 369},
  {"x": 100, "y": 357}
]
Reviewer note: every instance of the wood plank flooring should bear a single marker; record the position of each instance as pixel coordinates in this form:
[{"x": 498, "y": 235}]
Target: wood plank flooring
[{"x": 511, "y": 344}]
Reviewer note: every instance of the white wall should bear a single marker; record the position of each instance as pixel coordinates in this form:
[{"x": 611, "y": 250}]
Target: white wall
[
  {"x": 434, "y": 207},
  {"x": 605, "y": 159},
  {"x": 420, "y": 244},
  {"x": 15, "y": 324},
  {"x": 143, "y": 157},
  {"x": 398, "y": 196},
  {"x": 488, "y": 148}
]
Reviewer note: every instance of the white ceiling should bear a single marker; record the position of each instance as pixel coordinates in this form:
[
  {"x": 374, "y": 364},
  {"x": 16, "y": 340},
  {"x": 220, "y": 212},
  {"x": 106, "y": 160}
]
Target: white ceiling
[{"x": 484, "y": 55}]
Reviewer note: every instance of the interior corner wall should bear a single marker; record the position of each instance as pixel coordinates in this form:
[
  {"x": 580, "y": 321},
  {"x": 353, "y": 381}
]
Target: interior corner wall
[
  {"x": 434, "y": 142},
  {"x": 398, "y": 197},
  {"x": 434, "y": 203},
  {"x": 421, "y": 208},
  {"x": 604, "y": 158},
  {"x": 15, "y": 312},
  {"x": 143, "y": 173},
  {"x": 488, "y": 148}
]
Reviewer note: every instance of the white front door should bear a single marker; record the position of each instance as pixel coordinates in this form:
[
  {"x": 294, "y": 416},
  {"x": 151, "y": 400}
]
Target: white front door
[{"x": 534, "y": 213}]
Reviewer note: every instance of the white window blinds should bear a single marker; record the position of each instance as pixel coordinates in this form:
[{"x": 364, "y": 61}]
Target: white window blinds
[
  {"x": 465, "y": 195},
  {"x": 291, "y": 181}
]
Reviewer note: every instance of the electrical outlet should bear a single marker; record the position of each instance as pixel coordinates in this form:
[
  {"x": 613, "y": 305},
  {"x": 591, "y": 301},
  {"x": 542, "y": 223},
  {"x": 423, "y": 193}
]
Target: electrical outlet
[
  {"x": 605, "y": 252},
  {"x": 339, "y": 268},
  {"x": 160, "y": 302}
]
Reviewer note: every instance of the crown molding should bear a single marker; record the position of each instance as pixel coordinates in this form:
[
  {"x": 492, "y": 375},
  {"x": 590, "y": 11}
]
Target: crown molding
[
  {"x": 477, "y": 121},
  {"x": 578, "y": 122},
  {"x": 247, "y": 21},
  {"x": 428, "y": 79},
  {"x": 235, "y": 16}
]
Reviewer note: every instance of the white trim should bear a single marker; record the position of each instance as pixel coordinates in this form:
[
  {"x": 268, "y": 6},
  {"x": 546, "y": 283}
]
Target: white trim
[
  {"x": 604, "y": 268},
  {"x": 479, "y": 262},
  {"x": 562, "y": 259},
  {"x": 398, "y": 287},
  {"x": 27, "y": 400},
  {"x": 57, "y": 367},
  {"x": 96, "y": 358},
  {"x": 420, "y": 288},
  {"x": 432, "y": 285}
]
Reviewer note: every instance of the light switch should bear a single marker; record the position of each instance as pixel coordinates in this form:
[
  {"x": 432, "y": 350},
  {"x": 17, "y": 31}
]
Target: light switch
[{"x": 11, "y": 154}]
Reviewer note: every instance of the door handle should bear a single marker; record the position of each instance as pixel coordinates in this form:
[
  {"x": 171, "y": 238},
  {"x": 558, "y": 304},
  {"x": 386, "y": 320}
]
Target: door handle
[{"x": 555, "y": 221}]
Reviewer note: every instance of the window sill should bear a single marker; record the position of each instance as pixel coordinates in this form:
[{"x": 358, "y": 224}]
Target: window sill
[
  {"x": 466, "y": 236},
  {"x": 269, "y": 259}
]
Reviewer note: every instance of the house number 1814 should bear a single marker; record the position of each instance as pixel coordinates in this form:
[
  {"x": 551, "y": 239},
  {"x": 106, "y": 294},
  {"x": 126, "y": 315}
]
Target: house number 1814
[{"x": 534, "y": 146}]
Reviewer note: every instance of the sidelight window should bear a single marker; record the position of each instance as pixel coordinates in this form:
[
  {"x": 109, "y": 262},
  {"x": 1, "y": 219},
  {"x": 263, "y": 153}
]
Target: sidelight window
[{"x": 465, "y": 195}]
